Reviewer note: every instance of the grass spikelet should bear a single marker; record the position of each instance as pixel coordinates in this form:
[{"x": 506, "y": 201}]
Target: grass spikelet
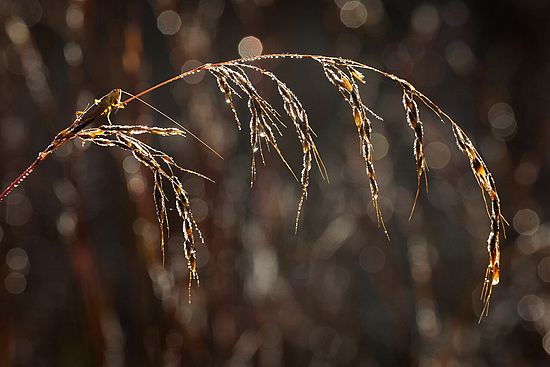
[
  {"x": 350, "y": 92},
  {"x": 228, "y": 91},
  {"x": 294, "y": 109},
  {"x": 263, "y": 117},
  {"x": 162, "y": 166},
  {"x": 487, "y": 184},
  {"x": 413, "y": 118}
]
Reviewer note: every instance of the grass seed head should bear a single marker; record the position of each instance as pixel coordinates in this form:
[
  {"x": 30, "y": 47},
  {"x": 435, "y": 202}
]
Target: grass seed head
[{"x": 265, "y": 124}]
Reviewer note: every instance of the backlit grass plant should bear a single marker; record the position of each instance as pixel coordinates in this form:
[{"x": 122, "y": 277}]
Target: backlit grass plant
[{"x": 265, "y": 126}]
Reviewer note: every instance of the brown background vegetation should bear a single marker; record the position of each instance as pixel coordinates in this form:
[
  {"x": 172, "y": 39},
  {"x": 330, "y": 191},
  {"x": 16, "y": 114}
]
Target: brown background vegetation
[{"x": 81, "y": 277}]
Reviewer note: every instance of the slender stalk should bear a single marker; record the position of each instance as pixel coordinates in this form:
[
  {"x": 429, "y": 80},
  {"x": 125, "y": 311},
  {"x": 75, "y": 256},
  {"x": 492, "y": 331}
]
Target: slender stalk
[{"x": 21, "y": 177}]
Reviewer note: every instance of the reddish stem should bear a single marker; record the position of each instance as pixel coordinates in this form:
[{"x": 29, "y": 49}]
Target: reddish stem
[{"x": 21, "y": 177}]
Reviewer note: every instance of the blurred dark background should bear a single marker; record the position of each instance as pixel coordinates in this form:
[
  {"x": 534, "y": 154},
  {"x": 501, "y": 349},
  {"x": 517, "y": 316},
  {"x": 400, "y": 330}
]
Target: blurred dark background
[{"x": 81, "y": 277}]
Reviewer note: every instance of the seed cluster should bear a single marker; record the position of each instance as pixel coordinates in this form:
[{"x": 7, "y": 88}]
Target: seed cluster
[{"x": 164, "y": 168}]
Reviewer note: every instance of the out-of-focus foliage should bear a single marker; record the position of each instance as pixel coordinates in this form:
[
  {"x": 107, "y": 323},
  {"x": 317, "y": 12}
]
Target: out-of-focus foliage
[{"x": 82, "y": 282}]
